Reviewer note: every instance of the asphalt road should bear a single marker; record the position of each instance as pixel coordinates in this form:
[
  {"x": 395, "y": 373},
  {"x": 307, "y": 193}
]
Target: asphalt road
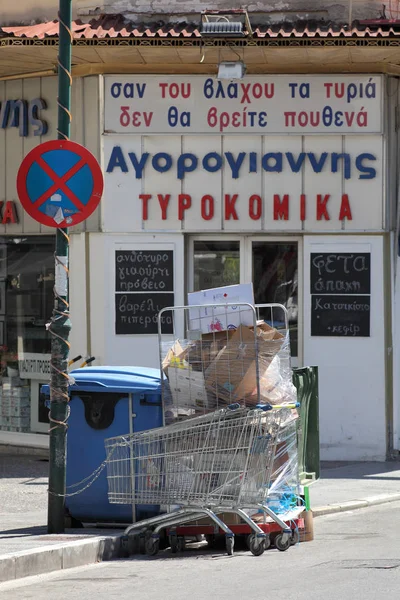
[{"x": 355, "y": 555}]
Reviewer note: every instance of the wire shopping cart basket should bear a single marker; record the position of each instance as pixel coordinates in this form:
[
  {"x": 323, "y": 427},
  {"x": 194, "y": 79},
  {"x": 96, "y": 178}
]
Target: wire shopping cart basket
[
  {"x": 217, "y": 462},
  {"x": 214, "y": 355}
]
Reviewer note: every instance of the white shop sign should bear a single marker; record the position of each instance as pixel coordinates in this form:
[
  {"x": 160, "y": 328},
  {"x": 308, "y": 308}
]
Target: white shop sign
[
  {"x": 34, "y": 366},
  {"x": 258, "y": 104},
  {"x": 243, "y": 183}
]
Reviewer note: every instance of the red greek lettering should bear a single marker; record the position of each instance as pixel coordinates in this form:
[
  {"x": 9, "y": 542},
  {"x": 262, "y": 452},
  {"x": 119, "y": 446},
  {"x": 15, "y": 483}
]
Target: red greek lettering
[
  {"x": 207, "y": 207},
  {"x": 164, "y": 201},
  {"x": 322, "y": 209},
  {"x": 281, "y": 207},
  {"x": 255, "y": 207},
  {"x": 230, "y": 210},
  {"x": 145, "y": 204},
  {"x": 302, "y": 207},
  {"x": 184, "y": 203},
  {"x": 345, "y": 210}
]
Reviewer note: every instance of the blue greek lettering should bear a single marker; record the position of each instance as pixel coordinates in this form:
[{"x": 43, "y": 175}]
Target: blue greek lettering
[
  {"x": 367, "y": 172},
  {"x": 117, "y": 160},
  {"x": 33, "y": 116},
  {"x": 116, "y": 90},
  {"x": 346, "y": 161},
  {"x": 215, "y": 157},
  {"x": 156, "y": 162},
  {"x": 295, "y": 165},
  {"x": 183, "y": 167},
  {"x": 253, "y": 162},
  {"x": 235, "y": 164},
  {"x": 138, "y": 165},
  {"x": 274, "y": 168},
  {"x": 316, "y": 164}
]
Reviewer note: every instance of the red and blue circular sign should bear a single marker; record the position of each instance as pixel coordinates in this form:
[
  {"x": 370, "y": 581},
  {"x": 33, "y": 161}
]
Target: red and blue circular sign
[{"x": 60, "y": 183}]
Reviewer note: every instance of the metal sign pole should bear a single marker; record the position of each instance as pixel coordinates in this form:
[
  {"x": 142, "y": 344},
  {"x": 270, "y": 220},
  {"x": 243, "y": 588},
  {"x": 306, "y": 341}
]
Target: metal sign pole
[{"x": 60, "y": 324}]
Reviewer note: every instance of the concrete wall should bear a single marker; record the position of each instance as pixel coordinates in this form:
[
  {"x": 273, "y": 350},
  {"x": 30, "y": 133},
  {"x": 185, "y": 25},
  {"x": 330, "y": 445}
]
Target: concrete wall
[
  {"x": 27, "y": 11},
  {"x": 275, "y": 10}
]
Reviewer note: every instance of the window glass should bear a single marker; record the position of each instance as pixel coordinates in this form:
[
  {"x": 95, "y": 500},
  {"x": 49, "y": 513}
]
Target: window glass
[
  {"x": 275, "y": 279},
  {"x": 216, "y": 264}
]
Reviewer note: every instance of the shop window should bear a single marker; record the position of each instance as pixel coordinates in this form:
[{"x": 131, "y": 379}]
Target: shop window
[
  {"x": 26, "y": 304},
  {"x": 216, "y": 264}
]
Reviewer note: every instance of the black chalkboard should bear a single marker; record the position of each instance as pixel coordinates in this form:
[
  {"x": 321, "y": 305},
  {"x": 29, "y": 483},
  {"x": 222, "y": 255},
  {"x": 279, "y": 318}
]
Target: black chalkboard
[
  {"x": 342, "y": 316},
  {"x": 340, "y": 273},
  {"x": 137, "y": 313},
  {"x": 144, "y": 271}
]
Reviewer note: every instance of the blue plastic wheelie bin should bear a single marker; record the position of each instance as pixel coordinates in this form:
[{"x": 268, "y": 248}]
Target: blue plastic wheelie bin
[{"x": 102, "y": 402}]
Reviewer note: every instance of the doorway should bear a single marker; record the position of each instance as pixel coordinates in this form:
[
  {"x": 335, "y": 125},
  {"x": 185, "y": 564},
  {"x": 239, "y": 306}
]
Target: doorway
[{"x": 272, "y": 264}]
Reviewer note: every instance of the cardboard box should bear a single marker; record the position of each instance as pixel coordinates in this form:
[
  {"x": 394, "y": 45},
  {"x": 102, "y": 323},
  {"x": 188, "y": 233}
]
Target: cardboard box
[
  {"x": 220, "y": 318},
  {"x": 227, "y": 518},
  {"x": 176, "y": 352},
  {"x": 187, "y": 388},
  {"x": 202, "y": 352},
  {"x": 232, "y": 376}
]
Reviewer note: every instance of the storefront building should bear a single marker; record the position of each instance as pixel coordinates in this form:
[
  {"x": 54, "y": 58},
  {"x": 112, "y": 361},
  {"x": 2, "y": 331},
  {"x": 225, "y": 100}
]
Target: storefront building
[
  {"x": 276, "y": 180},
  {"x": 288, "y": 181}
]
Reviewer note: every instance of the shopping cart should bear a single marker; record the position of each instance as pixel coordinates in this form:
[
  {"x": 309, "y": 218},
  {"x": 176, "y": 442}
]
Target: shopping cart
[{"x": 216, "y": 463}]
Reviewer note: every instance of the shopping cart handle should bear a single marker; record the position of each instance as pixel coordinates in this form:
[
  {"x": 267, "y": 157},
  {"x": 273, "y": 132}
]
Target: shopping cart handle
[
  {"x": 270, "y": 407},
  {"x": 234, "y": 406}
]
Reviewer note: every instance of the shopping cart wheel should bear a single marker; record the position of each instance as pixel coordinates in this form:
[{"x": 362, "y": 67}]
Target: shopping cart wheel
[
  {"x": 280, "y": 544},
  {"x": 173, "y": 542},
  {"x": 230, "y": 543},
  {"x": 295, "y": 539},
  {"x": 256, "y": 545},
  {"x": 181, "y": 544},
  {"x": 152, "y": 546}
]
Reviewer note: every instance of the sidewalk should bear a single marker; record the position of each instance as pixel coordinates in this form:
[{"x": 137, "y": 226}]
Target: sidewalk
[{"x": 26, "y": 549}]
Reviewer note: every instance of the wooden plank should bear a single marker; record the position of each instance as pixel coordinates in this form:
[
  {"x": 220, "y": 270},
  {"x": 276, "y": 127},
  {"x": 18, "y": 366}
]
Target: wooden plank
[
  {"x": 49, "y": 94},
  {"x": 92, "y": 127},
  {"x": 31, "y": 90},
  {"x": 246, "y": 185},
  {"x": 323, "y": 183},
  {"x": 14, "y": 153},
  {"x": 3, "y": 167},
  {"x": 162, "y": 183},
  {"x": 285, "y": 182},
  {"x": 201, "y": 182}
]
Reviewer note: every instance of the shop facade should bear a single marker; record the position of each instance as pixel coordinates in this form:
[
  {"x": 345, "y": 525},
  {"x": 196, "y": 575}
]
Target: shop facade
[
  {"x": 28, "y": 117},
  {"x": 282, "y": 181},
  {"x": 288, "y": 182}
]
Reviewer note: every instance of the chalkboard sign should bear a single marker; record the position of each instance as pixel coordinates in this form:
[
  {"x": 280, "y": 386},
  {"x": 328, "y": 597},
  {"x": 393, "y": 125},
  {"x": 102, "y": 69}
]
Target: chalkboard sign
[
  {"x": 144, "y": 284},
  {"x": 137, "y": 313},
  {"x": 144, "y": 271},
  {"x": 340, "y": 273},
  {"x": 347, "y": 316}
]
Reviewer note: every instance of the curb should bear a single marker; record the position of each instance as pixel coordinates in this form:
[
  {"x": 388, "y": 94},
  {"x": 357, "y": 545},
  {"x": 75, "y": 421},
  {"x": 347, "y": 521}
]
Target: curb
[
  {"x": 84, "y": 552},
  {"x": 58, "y": 557},
  {"x": 354, "y": 505}
]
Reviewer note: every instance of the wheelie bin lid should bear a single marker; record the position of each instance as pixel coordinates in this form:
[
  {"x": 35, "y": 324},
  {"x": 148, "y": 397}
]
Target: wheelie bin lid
[{"x": 114, "y": 379}]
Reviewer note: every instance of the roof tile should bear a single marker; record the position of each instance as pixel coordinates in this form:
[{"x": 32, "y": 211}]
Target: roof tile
[{"x": 113, "y": 26}]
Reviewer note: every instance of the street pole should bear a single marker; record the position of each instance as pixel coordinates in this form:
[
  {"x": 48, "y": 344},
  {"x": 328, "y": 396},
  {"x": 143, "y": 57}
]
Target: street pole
[{"x": 60, "y": 325}]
